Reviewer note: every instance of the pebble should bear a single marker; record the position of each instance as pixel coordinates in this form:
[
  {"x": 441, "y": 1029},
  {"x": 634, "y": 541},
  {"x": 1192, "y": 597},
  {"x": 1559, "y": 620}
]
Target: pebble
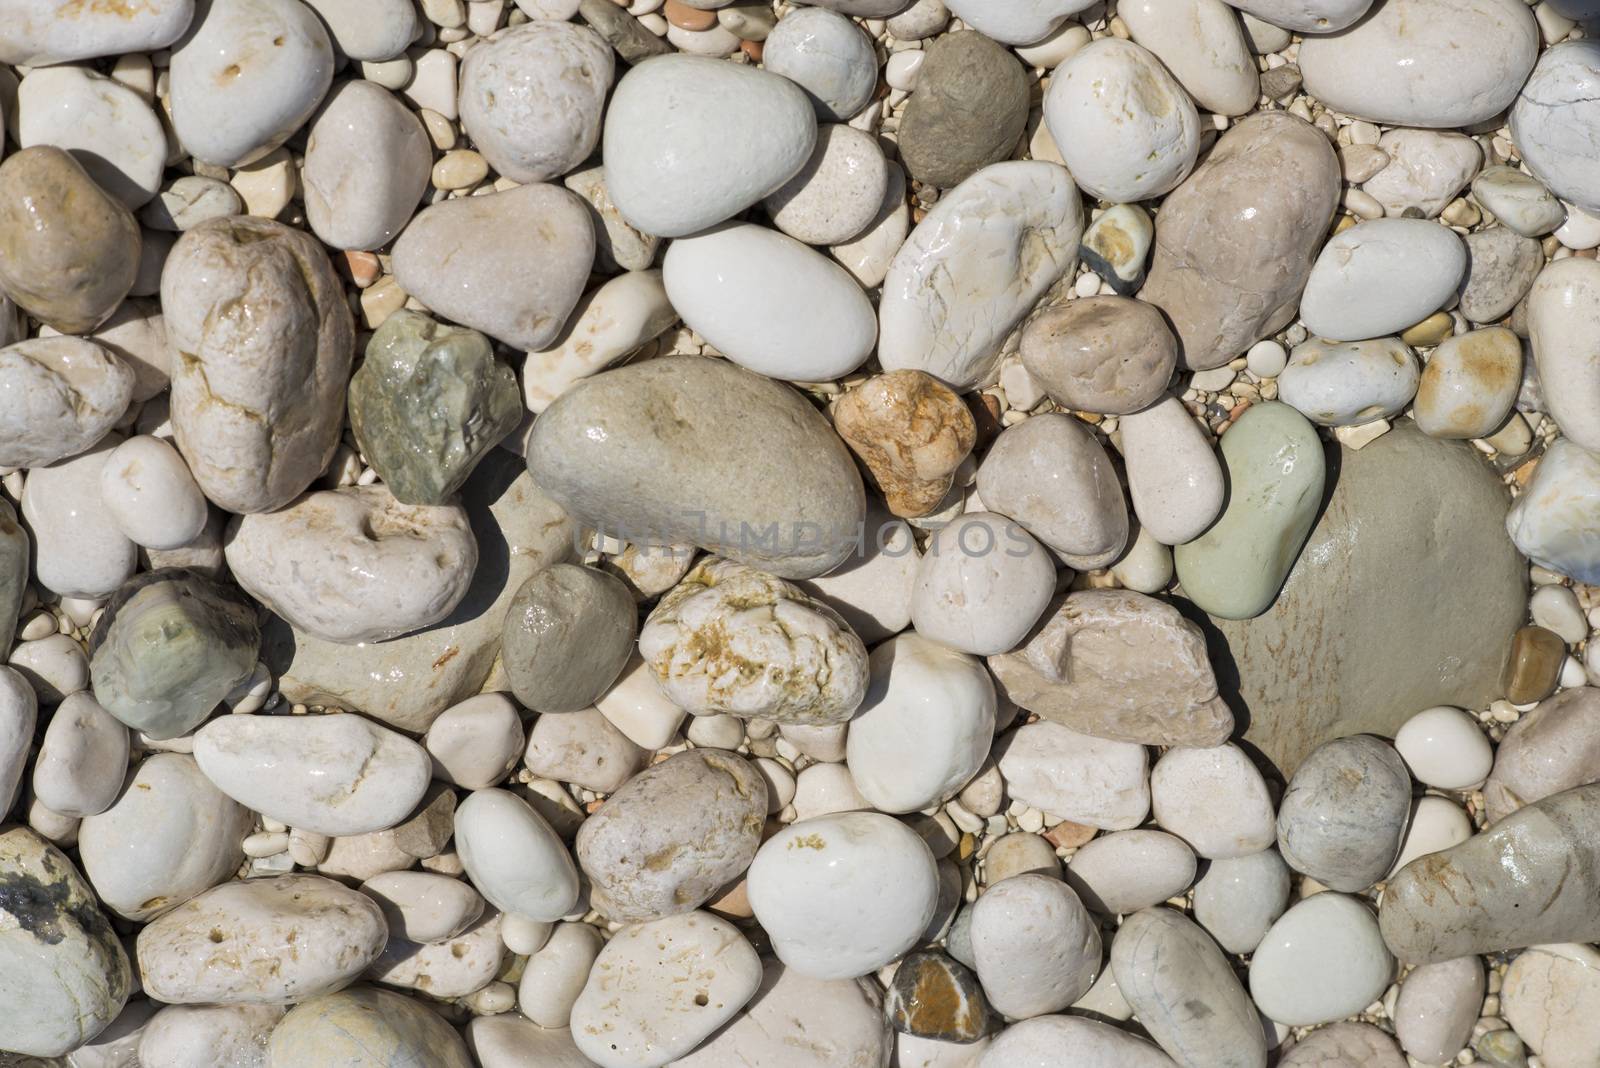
[
  {"x": 59, "y": 396},
  {"x": 1115, "y": 247},
  {"x": 1306, "y": 16},
  {"x": 1553, "y": 108},
  {"x": 1426, "y": 170},
  {"x": 555, "y": 974},
  {"x": 1036, "y": 947},
  {"x": 1470, "y": 384},
  {"x": 1053, "y": 477},
  {"x": 736, "y": 286},
  {"x": 638, "y": 707},
  {"x": 189, "y": 201},
  {"x": 1126, "y": 871},
  {"x": 1444, "y": 748},
  {"x": 1437, "y": 1007},
  {"x": 1122, "y": 666},
  {"x": 694, "y": 141},
  {"x": 512, "y": 856},
  {"x": 1548, "y": 750},
  {"x": 421, "y": 907},
  {"x": 867, "y": 256},
  {"x": 1350, "y": 383},
  {"x": 150, "y": 494},
  {"x": 1014, "y": 22},
  {"x": 1204, "y": 45},
  {"x": 1549, "y": 520},
  {"x": 970, "y": 107},
  {"x": 366, "y": 165},
  {"x": 1185, "y": 992},
  {"x": 53, "y": 666},
  {"x": 912, "y": 432},
  {"x": 568, "y": 635},
  {"x": 982, "y": 584},
  {"x": 1550, "y": 996},
  {"x": 369, "y": 31},
  {"x": 1344, "y": 813},
  {"x": 366, "y": 1024},
  {"x": 944, "y": 310},
  {"x": 1101, "y": 354},
  {"x": 19, "y": 711},
  {"x": 1534, "y": 666},
  {"x": 924, "y": 727},
  {"x": 1564, "y": 303},
  {"x": 1344, "y": 1045},
  {"x": 1173, "y": 474},
  {"x": 61, "y": 32},
  {"x": 109, "y": 129},
  {"x": 234, "y": 98},
  {"x": 933, "y": 996},
  {"x": 1518, "y": 202},
  {"x": 1403, "y": 65},
  {"x": 1047, "y": 1040},
  {"x": 532, "y": 248},
  {"x": 842, "y": 895},
  {"x": 1381, "y": 276},
  {"x": 1323, "y": 960},
  {"x": 1557, "y": 608},
  {"x": 1088, "y": 780},
  {"x": 827, "y": 56},
  {"x": 1273, "y": 461},
  {"x": 1126, "y": 128},
  {"x": 1020, "y": 853},
  {"x": 1436, "y": 825},
  {"x": 1248, "y": 220},
  {"x": 198, "y": 1036},
  {"x": 1214, "y": 799},
  {"x": 837, "y": 194},
  {"x": 79, "y": 550},
  {"x": 583, "y": 748},
  {"x": 1239, "y": 898},
  {"x": 81, "y": 760},
  {"x": 607, "y": 325}
]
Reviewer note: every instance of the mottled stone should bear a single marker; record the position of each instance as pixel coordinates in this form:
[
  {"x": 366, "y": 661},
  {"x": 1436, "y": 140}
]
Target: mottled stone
[
  {"x": 567, "y": 637},
  {"x": 912, "y": 431},
  {"x": 935, "y": 996},
  {"x": 14, "y": 545},
  {"x": 1101, "y": 354},
  {"x": 366, "y": 1026},
  {"x": 1534, "y": 665},
  {"x": 1470, "y": 384},
  {"x": 970, "y": 107},
  {"x": 1554, "y": 747},
  {"x": 1345, "y": 812},
  {"x": 1501, "y": 267}
]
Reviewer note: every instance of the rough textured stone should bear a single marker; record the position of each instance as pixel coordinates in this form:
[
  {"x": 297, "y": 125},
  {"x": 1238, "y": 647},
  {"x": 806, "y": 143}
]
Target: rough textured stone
[
  {"x": 1501, "y": 267},
  {"x": 567, "y": 637},
  {"x": 14, "y": 544},
  {"x": 427, "y": 403},
  {"x": 1553, "y": 748},
  {"x": 1117, "y": 664},
  {"x": 58, "y": 397},
  {"x": 1101, "y": 354},
  {"x": 912, "y": 431},
  {"x": 1235, "y": 242},
  {"x": 366, "y": 1026},
  {"x": 970, "y": 107},
  {"x": 622, "y": 31},
  {"x": 1405, "y": 597}
]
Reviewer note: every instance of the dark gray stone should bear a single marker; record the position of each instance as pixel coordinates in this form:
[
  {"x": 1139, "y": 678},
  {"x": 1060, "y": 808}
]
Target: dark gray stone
[
  {"x": 1501, "y": 267},
  {"x": 567, "y": 637},
  {"x": 13, "y": 572},
  {"x": 969, "y": 109}
]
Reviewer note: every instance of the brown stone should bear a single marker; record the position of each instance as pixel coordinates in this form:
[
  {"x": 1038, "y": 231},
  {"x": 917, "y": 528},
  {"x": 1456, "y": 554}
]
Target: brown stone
[
  {"x": 685, "y": 17},
  {"x": 936, "y": 997},
  {"x": 1117, "y": 664},
  {"x": 1110, "y": 355},
  {"x": 1069, "y": 835},
  {"x": 1553, "y": 748},
  {"x": 912, "y": 432},
  {"x": 1235, "y": 242},
  {"x": 1534, "y": 665}
]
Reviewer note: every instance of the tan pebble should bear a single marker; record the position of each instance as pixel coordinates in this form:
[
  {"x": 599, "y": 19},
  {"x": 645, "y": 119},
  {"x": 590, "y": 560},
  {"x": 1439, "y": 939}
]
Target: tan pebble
[
  {"x": 733, "y": 902},
  {"x": 685, "y": 17},
  {"x": 1534, "y": 665},
  {"x": 1432, "y": 330},
  {"x": 1069, "y": 835},
  {"x": 363, "y": 268},
  {"x": 912, "y": 432},
  {"x": 441, "y": 131},
  {"x": 266, "y": 185},
  {"x": 462, "y": 169},
  {"x": 753, "y": 49},
  {"x": 380, "y": 301}
]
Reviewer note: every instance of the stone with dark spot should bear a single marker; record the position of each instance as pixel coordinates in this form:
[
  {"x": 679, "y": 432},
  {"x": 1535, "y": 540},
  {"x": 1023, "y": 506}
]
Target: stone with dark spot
[
  {"x": 969, "y": 109},
  {"x": 13, "y": 572},
  {"x": 934, "y": 996}
]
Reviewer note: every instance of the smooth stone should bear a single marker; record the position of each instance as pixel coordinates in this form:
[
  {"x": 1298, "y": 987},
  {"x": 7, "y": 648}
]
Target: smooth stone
[
  {"x": 1534, "y": 665},
  {"x": 1444, "y": 747},
  {"x": 1174, "y": 476},
  {"x": 1235, "y": 242},
  {"x": 659, "y": 989},
  {"x": 913, "y": 433},
  {"x": 427, "y": 403},
  {"x": 66, "y": 974},
  {"x": 1015, "y": 22},
  {"x": 1381, "y": 276},
  {"x": 1344, "y": 1045},
  {"x": 70, "y": 249},
  {"x": 188, "y": 201},
  {"x": 136, "y": 334},
  {"x": 1562, "y": 308},
  {"x": 1203, "y": 43},
  {"x": 513, "y": 857},
  {"x": 982, "y": 584},
  {"x": 107, "y": 127},
  {"x": 838, "y": 193},
  {"x": 366, "y": 1025},
  {"x": 1550, "y": 995},
  {"x": 872, "y": 592},
  {"x": 639, "y": 709},
  {"x": 422, "y": 906},
  {"x": 1214, "y": 799},
  {"x": 945, "y": 309},
  {"x": 1530, "y": 878},
  {"x": 1100, "y": 354},
  {"x": 171, "y": 644},
  {"x": 585, "y": 749},
  {"x": 935, "y": 996},
  {"x": 827, "y": 56},
  {"x": 1425, "y": 172},
  {"x": 148, "y": 490},
  {"x": 1344, "y": 813},
  {"x": 1436, "y": 825},
  {"x": 1020, "y": 853},
  {"x": 14, "y": 553},
  {"x": 755, "y": 456},
  {"x": 1518, "y": 202},
  {"x": 354, "y": 564},
  {"x": 62, "y": 31},
  {"x": 1126, "y": 871},
  {"x": 202, "y": 1036},
  {"x": 1239, "y": 898},
  {"x": 1122, "y": 666},
  {"x": 82, "y": 757},
  {"x": 19, "y": 714},
  {"x": 262, "y": 339},
  {"x": 1400, "y": 617},
  {"x": 568, "y": 635},
  {"x": 59, "y": 396},
  {"x": 674, "y": 836},
  {"x": 1046, "y": 1041},
  {"x": 619, "y": 246},
  {"x": 1306, "y": 16},
  {"x": 247, "y": 75},
  {"x": 1502, "y": 266},
  {"x": 1548, "y": 750},
  {"x": 607, "y": 325},
  {"x": 924, "y": 728},
  {"x": 1275, "y": 470},
  {"x": 769, "y": 303},
  {"x": 366, "y": 165},
  {"x": 969, "y": 109},
  {"x": 868, "y": 255},
  {"x": 555, "y": 974},
  {"x": 1321, "y": 961},
  {"x": 336, "y": 774},
  {"x": 1437, "y": 1007},
  {"x": 1469, "y": 384},
  {"x": 1552, "y": 112},
  {"x": 1116, "y": 246},
  {"x": 692, "y": 141},
  {"x": 1431, "y": 63},
  {"x": 1087, "y": 780},
  {"x": 1052, "y": 476},
  {"x": 532, "y": 97},
  {"x": 842, "y": 895},
  {"x": 265, "y": 941},
  {"x": 1347, "y": 383},
  {"x": 406, "y": 682},
  {"x": 370, "y": 31},
  {"x": 1036, "y": 947},
  {"x": 52, "y": 667},
  {"x": 475, "y": 743},
  {"x": 512, "y": 264},
  {"x": 1147, "y": 565},
  {"x": 1126, "y": 129},
  {"x": 78, "y": 549},
  {"x": 1551, "y": 520},
  {"x": 508, "y": 1040},
  {"x": 454, "y": 968},
  {"x": 1185, "y": 992}
]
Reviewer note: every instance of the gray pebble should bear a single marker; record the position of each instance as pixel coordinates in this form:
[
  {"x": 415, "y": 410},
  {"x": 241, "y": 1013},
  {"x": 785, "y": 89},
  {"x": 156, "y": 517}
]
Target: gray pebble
[
  {"x": 567, "y": 637},
  {"x": 828, "y": 56},
  {"x": 1345, "y": 812},
  {"x": 970, "y": 107},
  {"x": 1501, "y": 267}
]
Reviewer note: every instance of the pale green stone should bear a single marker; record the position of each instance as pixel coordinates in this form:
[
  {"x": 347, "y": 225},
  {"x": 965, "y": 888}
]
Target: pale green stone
[
  {"x": 170, "y": 645},
  {"x": 1275, "y": 470},
  {"x": 366, "y": 1027},
  {"x": 427, "y": 404},
  {"x": 13, "y": 572}
]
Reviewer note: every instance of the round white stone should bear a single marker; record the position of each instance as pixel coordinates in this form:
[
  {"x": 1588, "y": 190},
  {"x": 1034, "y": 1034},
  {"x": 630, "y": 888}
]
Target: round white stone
[
  {"x": 1445, "y": 748},
  {"x": 151, "y": 495},
  {"x": 1380, "y": 277},
  {"x": 1437, "y": 823},
  {"x": 422, "y": 906},
  {"x": 82, "y": 758},
  {"x": 475, "y": 743},
  {"x": 1048, "y": 1041},
  {"x": 1552, "y": 118},
  {"x": 1239, "y": 898},
  {"x": 1214, "y": 799},
  {"x": 1016, "y": 22},
  {"x": 513, "y": 857},
  {"x": 982, "y": 584},
  {"x": 828, "y": 56},
  {"x": 366, "y": 165},
  {"x": 1552, "y": 523},
  {"x": 204, "y": 1036},
  {"x": 79, "y": 551},
  {"x": 44, "y": 32},
  {"x": 106, "y": 126},
  {"x": 1126, "y": 871},
  {"x": 1517, "y": 201},
  {"x": 1557, "y": 608},
  {"x": 1036, "y": 947},
  {"x": 370, "y": 31},
  {"x": 58, "y": 397},
  {"x": 823, "y": 789},
  {"x": 1092, "y": 781},
  {"x": 1322, "y": 961},
  {"x": 837, "y": 193},
  {"x": 1203, "y": 44}
]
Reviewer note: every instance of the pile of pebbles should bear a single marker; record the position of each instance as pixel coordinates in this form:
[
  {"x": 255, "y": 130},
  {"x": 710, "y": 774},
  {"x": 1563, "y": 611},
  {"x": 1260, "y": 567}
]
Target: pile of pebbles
[{"x": 833, "y": 534}]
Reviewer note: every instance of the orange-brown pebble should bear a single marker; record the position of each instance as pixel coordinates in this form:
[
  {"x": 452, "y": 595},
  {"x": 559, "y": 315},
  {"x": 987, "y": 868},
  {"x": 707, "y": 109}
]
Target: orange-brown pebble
[
  {"x": 912, "y": 431},
  {"x": 363, "y": 268},
  {"x": 1069, "y": 835},
  {"x": 1534, "y": 665},
  {"x": 753, "y": 49},
  {"x": 733, "y": 903},
  {"x": 685, "y": 17}
]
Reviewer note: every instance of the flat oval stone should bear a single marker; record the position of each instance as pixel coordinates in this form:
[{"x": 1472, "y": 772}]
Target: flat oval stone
[
  {"x": 1184, "y": 991},
  {"x": 366, "y": 165},
  {"x": 1307, "y": 16},
  {"x": 148, "y": 490},
  {"x": 1380, "y": 277},
  {"x": 1051, "y": 475},
  {"x": 1554, "y": 108},
  {"x": 512, "y": 264},
  {"x": 262, "y": 340},
  {"x": 568, "y": 635},
  {"x": 1322, "y": 961},
  {"x": 1126, "y": 871},
  {"x": 1037, "y": 950},
  {"x": 532, "y": 95},
  {"x": 248, "y": 75},
  {"x": 692, "y": 141},
  {"x": 1087, "y": 780},
  {"x": 1275, "y": 469},
  {"x": 82, "y": 757},
  {"x": 371, "y": 31},
  {"x": 1045, "y": 1041},
  {"x": 1174, "y": 477},
  {"x": 1100, "y": 354},
  {"x": 769, "y": 303},
  {"x": 268, "y": 941},
  {"x": 945, "y": 309},
  {"x": 828, "y": 56},
  {"x": 1347, "y": 383},
  {"x": 1437, "y": 1008},
  {"x": 723, "y": 457},
  {"x": 1501, "y": 268},
  {"x": 106, "y": 126},
  {"x": 379, "y": 1026},
  {"x": 1426, "y": 170},
  {"x": 981, "y": 585},
  {"x": 1432, "y": 63},
  {"x": 1214, "y": 799},
  {"x": 1344, "y": 1045},
  {"x": 838, "y": 193},
  {"x": 455, "y": 967},
  {"x": 1235, "y": 242},
  {"x": 1203, "y": 44},
  {"x": 78, "y": 549},
  {"x": 58, "y": 397},
  {"x": 1532, "y": 877},
  {"x": 1239, "y": 898},
  {"x": 55, "y": 935},
  {"x": 1550, "y": 749},
  {"x": 1470, "y": 384},
  {"x": 513, "y": 857},
  {"x": 1562, "y": 308},
  {"x": 336, "y": 774},
  {"x": 970, "y": 107},
  {"x": 556, "y": 974},
  {"x": 1015, "y": 22},
  {"x": 62, "y": 31},
  {"x": 1550, "y": 521},
  {"x": 199, "y": 1036},
  {"x": 1517, "y": 201},
  {"x": 424, "y": 907},
  {"x": 1344, "y": 813}
]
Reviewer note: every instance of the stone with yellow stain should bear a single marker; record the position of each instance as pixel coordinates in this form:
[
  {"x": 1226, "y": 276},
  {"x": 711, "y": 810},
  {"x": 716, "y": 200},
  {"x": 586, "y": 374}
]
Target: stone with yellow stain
[
  {"x": 1534, "y": 665},
  {"x": 1470, "y": 383},
  {"x": 366, "y": 1025},
  {"x": 1348, "y": 383},
  {"x": 1117, "y": 244},
  {"x": 41, "y": 34},
  {"x": 912, "y": 432},
  {"x": 935, "y": 996}
]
